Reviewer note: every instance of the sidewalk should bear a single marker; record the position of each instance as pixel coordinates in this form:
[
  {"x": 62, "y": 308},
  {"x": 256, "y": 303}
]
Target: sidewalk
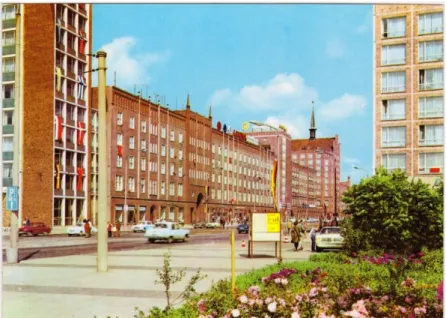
[{"x": 70, "y": 286}]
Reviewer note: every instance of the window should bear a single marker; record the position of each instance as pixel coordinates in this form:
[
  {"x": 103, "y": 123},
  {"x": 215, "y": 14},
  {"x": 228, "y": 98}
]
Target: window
[
  {"x": 394, "y": 161},
  {"x": 172, "y": 135},
  {"x": 71, "y": 64},
  {"x": 143, "y": 145},
  {"x": 8, "y": 91},
  {"x": 131, "y": 162},
  {"x": 143, "y": 164},
  {"x": 430, "y": 163},
  {"x": 431, "y": 79},
  {"x": 180, "y": 190},
  {"x": 430, "y": 23},
  {"x": 180, "y": 154},
  {"x": 172, "y": 152},
  {"x": 71, "y": 41},
  {"x": 8, "y": 38},
  {"x": 172, "y": 169},
  {"x": 180, "y": 138},
  {"x": 131, "y": 184},
  {"x": 393, "y": 109},
  {"x": 172, "y": 188},
  {"x": 118, "y": 183},
  {"x": 8, "y": 65},
  {"x": 393, "y": 82},
  {"x": 118, "y": 161},
  {"x": 163, "y": 150},
  {"x": 8, "y": 118},
  {"x": 393, "y": 27},
  {"x": 393, "y": 136},
  {"x": 163, "y": 168},
  {"x": 430, "y": 135},
  {"x": 119, "y": 119},
  {"x": 430, "y": 107},
  {"x": 393, "y": 54},
  {"x": 8, "y": 12},
  {"x": 132, "y": 142},
  {"x": 132, "y": 122},
  {"x": 430, "y": 51},
  {"x": 143, "y": 126},
  {"x": 143, "y": 185},
  {"x": 163, "y": 188},
  {"x": 180, "y": 171},
  {"x": 119, "y": 139},
  {"x": 163, "y": 132},
  {"x": 153, "y": 188}
]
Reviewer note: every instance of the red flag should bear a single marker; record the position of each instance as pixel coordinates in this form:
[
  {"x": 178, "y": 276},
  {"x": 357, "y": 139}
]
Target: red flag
[
  {"x": 80, "y": 132},
  {"x": 79, "y": 178},
  {"x": 119, "y": 151},
  {"x": 82, "y": 42}
]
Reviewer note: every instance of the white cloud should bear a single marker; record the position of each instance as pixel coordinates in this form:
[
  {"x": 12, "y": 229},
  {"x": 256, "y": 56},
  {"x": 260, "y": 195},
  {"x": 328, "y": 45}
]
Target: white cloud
[
  {"x": 365, "y": 25},
  {"x": 297, "y": 126},
  {"x": 131, "y": 67},
  {"x": 343, "y": 107},
  {"x": 334, "y": 48}
]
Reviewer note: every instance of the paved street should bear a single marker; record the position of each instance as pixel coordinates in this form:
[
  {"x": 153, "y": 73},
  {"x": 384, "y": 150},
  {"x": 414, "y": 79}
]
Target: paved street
[{"x": 69, "y": 286}]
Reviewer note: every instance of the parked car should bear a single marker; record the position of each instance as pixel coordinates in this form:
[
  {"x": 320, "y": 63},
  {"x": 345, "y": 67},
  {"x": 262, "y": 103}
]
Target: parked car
[
  {"x": 212, "y": 225},
  {"x": 243, "y": 228},
  {"x": 167, "y": 231},
  {"x": 79, "y": 230},
  {"x": 200, "y": 225},
  {"x": 329, "y": 238},
  {"x": 34, "y": 229},
  {"x": 142, "y": 226}
]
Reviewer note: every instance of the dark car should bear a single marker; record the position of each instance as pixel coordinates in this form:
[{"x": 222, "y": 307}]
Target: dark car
[
  {"x": 243, "y": 228},
  {"x": 34, "y": 229},
  {"x": 199, "y": 225}
]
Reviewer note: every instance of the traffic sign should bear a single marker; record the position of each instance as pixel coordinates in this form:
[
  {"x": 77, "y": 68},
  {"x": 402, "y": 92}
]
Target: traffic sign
[{"x": 12, "y": 198}]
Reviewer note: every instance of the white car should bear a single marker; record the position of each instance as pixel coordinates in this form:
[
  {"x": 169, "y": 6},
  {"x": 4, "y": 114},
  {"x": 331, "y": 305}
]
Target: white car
[
  {"x": 79, "y": 230},
  {"x": 142, "y": 226},
  {"x": 329, "y": 238},
  {"x": 167, "y": 231},
  {"x": 213, "y": 225}
]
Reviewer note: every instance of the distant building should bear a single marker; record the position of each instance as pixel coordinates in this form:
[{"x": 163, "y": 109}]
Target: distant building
[
  {"x": 343, "y": 187},
  {"x": 408, "y": 123}
]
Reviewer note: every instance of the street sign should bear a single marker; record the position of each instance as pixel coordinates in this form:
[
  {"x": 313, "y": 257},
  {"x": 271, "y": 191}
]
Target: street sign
[{"x": 12, "y": 199}]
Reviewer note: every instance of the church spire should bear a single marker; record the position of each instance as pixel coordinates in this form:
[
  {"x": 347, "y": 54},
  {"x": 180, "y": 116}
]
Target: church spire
[
  {"x": 188, "y": 101},
  {"x": 312, "y": 124},
  {"x": 210, "y": 111}
]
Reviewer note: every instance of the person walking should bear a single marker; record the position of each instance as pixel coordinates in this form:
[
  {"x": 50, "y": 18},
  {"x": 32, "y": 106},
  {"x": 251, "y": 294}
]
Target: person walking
[
  {"x": 313, "y": 239},
  {"x": 118, "y": 228},
  {"x": 86, "y": 228},
  {"x": 301, "y": 229},
  {"x": 90, "y": 225},
  {"x": 295, "y": 235},
  {"x": 109, "y": 229}
]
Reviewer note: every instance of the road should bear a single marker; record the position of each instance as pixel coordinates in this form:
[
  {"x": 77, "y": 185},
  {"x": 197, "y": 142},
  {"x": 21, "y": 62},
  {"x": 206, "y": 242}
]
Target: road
[{"x": 58, "y": 245}]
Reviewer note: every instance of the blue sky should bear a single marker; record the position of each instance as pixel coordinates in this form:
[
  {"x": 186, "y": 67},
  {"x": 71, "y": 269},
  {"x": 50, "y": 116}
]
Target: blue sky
[{"x": 252, "y": 62}]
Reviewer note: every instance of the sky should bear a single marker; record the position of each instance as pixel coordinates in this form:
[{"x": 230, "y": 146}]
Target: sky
[{"x": 258, "y": 62}]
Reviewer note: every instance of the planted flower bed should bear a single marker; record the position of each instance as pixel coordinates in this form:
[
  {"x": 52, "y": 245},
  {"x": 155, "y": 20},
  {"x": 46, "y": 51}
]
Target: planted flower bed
[{"x": 328, "y": 285}]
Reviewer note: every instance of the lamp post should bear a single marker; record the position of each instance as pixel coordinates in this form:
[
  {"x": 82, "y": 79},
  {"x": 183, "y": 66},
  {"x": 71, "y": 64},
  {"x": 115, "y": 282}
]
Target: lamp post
[{"x": 359, "y": 168}]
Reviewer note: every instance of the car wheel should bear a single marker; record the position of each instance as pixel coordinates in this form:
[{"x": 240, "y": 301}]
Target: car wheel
[
  {"x": 186, "y": 238},
  {"x": 170, "y": 240},
  {"x": 150, "y": 240},
  {"x": 69, "y": 234},
  {"x": 318, "y": 249},
  {"x": 29, "y": 234}
]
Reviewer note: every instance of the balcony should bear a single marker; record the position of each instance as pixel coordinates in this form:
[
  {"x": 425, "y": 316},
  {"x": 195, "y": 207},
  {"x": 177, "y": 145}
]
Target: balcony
[
  {"x": 69, "y": 169},
  {"x": 8, "y": 129},
  {"x": 395, "y": 61},
  {"x": 58, "y": 192},
  {"x": 81, "y": 193},
  {"x": 431, "y": 30},
  {"x": 431, "y": 114},
  {"x": 394, "y": 33},
  {"x": 431, "y": 142},
  {"x": 393, "y": 143},
  {"x": 8, "y": 50},
  {"x": 393, "y": 116},
  {"x": 431, "y": 86},
  {"x": 8, "y": 77},
  {"x": 69, "y": 193},
  {"x": 7, "y": 182},
  {"x": 8, "y": 155},
  {"x": 431, "y": 58},
  {"x": 393, "y": 89},
  {"x": 8, "y": 24},
  {"x": 8, "y": 103}
]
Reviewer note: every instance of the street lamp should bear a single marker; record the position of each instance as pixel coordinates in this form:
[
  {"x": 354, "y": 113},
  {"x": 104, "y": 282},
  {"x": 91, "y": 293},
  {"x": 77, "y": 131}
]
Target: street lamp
[{"x": 359, "y": 168}]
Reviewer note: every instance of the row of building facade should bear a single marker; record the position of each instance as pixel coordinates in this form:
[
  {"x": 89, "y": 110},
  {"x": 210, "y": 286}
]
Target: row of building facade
[{"x": 162, "y": 163}]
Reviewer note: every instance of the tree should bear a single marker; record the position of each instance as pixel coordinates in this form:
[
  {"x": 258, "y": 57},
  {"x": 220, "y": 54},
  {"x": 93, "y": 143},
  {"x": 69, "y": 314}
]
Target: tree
[{"x": 392, "y": 213}]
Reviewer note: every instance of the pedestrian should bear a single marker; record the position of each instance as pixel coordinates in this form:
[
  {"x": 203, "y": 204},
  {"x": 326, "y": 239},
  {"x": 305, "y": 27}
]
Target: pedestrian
[
  {"x": 224, "y": 222},
  {"x": 295, "y": 235},
  {"x": 28, "y": 222},
  {"x": 109, "y": 229},
  {"x": 289, "y": 226},
  {"x": 86, "y": 228},
  {"x": 118, "y": 228},
  {"x": 90, "y": 226},
  {"x": 301, "y": 228},
  {"x": 313, "y": 239}
]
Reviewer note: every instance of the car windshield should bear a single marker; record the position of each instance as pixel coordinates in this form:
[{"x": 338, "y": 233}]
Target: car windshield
[
  {"x": 161, "y": 225},
  {"x": 331, "y": 230}
]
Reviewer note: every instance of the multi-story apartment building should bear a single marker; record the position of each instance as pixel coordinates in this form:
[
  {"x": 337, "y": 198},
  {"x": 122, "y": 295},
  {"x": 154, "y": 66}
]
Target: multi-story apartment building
[
  {"x": 45, "y": 64},
  {"x": 303, "y": 187},
  {"x": 175, "y": 165},
  {"x": 323, "y": 156},
  {"x": 408, "y": 89}
]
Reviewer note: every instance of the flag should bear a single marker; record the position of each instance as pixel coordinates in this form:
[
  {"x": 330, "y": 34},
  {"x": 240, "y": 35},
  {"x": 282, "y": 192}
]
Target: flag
[
  {"x": 80, "y": 132},
  {"x": 57, "y": 176},
  {"x": 119, "y": 150},
  {"x": 82, "y": 41},
  {"x": 273, "y": 183},
  {"x": 58, "y": 127},
  {"x": 58, "y": 80},
  {"x": 79, "y": 178}
]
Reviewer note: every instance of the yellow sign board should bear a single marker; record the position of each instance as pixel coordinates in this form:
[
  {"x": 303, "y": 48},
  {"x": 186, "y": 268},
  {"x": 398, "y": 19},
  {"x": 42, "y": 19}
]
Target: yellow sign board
[
  {"x": 245, "y": 126},
  {"x": 273, "y": 222}
]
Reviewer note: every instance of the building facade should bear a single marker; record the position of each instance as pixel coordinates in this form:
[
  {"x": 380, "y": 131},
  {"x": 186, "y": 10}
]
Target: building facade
[
  {"x": 175, "y": 165},
  {"x": 408, "y": 89},
  {"x": 46, "y": 87}
]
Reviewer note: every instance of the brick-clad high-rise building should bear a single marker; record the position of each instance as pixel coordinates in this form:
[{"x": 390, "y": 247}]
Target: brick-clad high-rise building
[
  {"x": 45, "y": 102},
  {"x": 175, "y": 165},
  {"x": 408, "y": 89}
]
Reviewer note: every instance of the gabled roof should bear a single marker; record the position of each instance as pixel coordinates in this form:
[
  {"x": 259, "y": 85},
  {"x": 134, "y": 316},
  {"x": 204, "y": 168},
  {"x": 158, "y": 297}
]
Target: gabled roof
[{"x": 321, "y": 143}]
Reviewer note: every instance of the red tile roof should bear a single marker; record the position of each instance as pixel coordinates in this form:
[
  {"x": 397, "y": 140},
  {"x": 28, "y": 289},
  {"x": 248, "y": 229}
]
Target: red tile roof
[{"x": 321, "y": 143}]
